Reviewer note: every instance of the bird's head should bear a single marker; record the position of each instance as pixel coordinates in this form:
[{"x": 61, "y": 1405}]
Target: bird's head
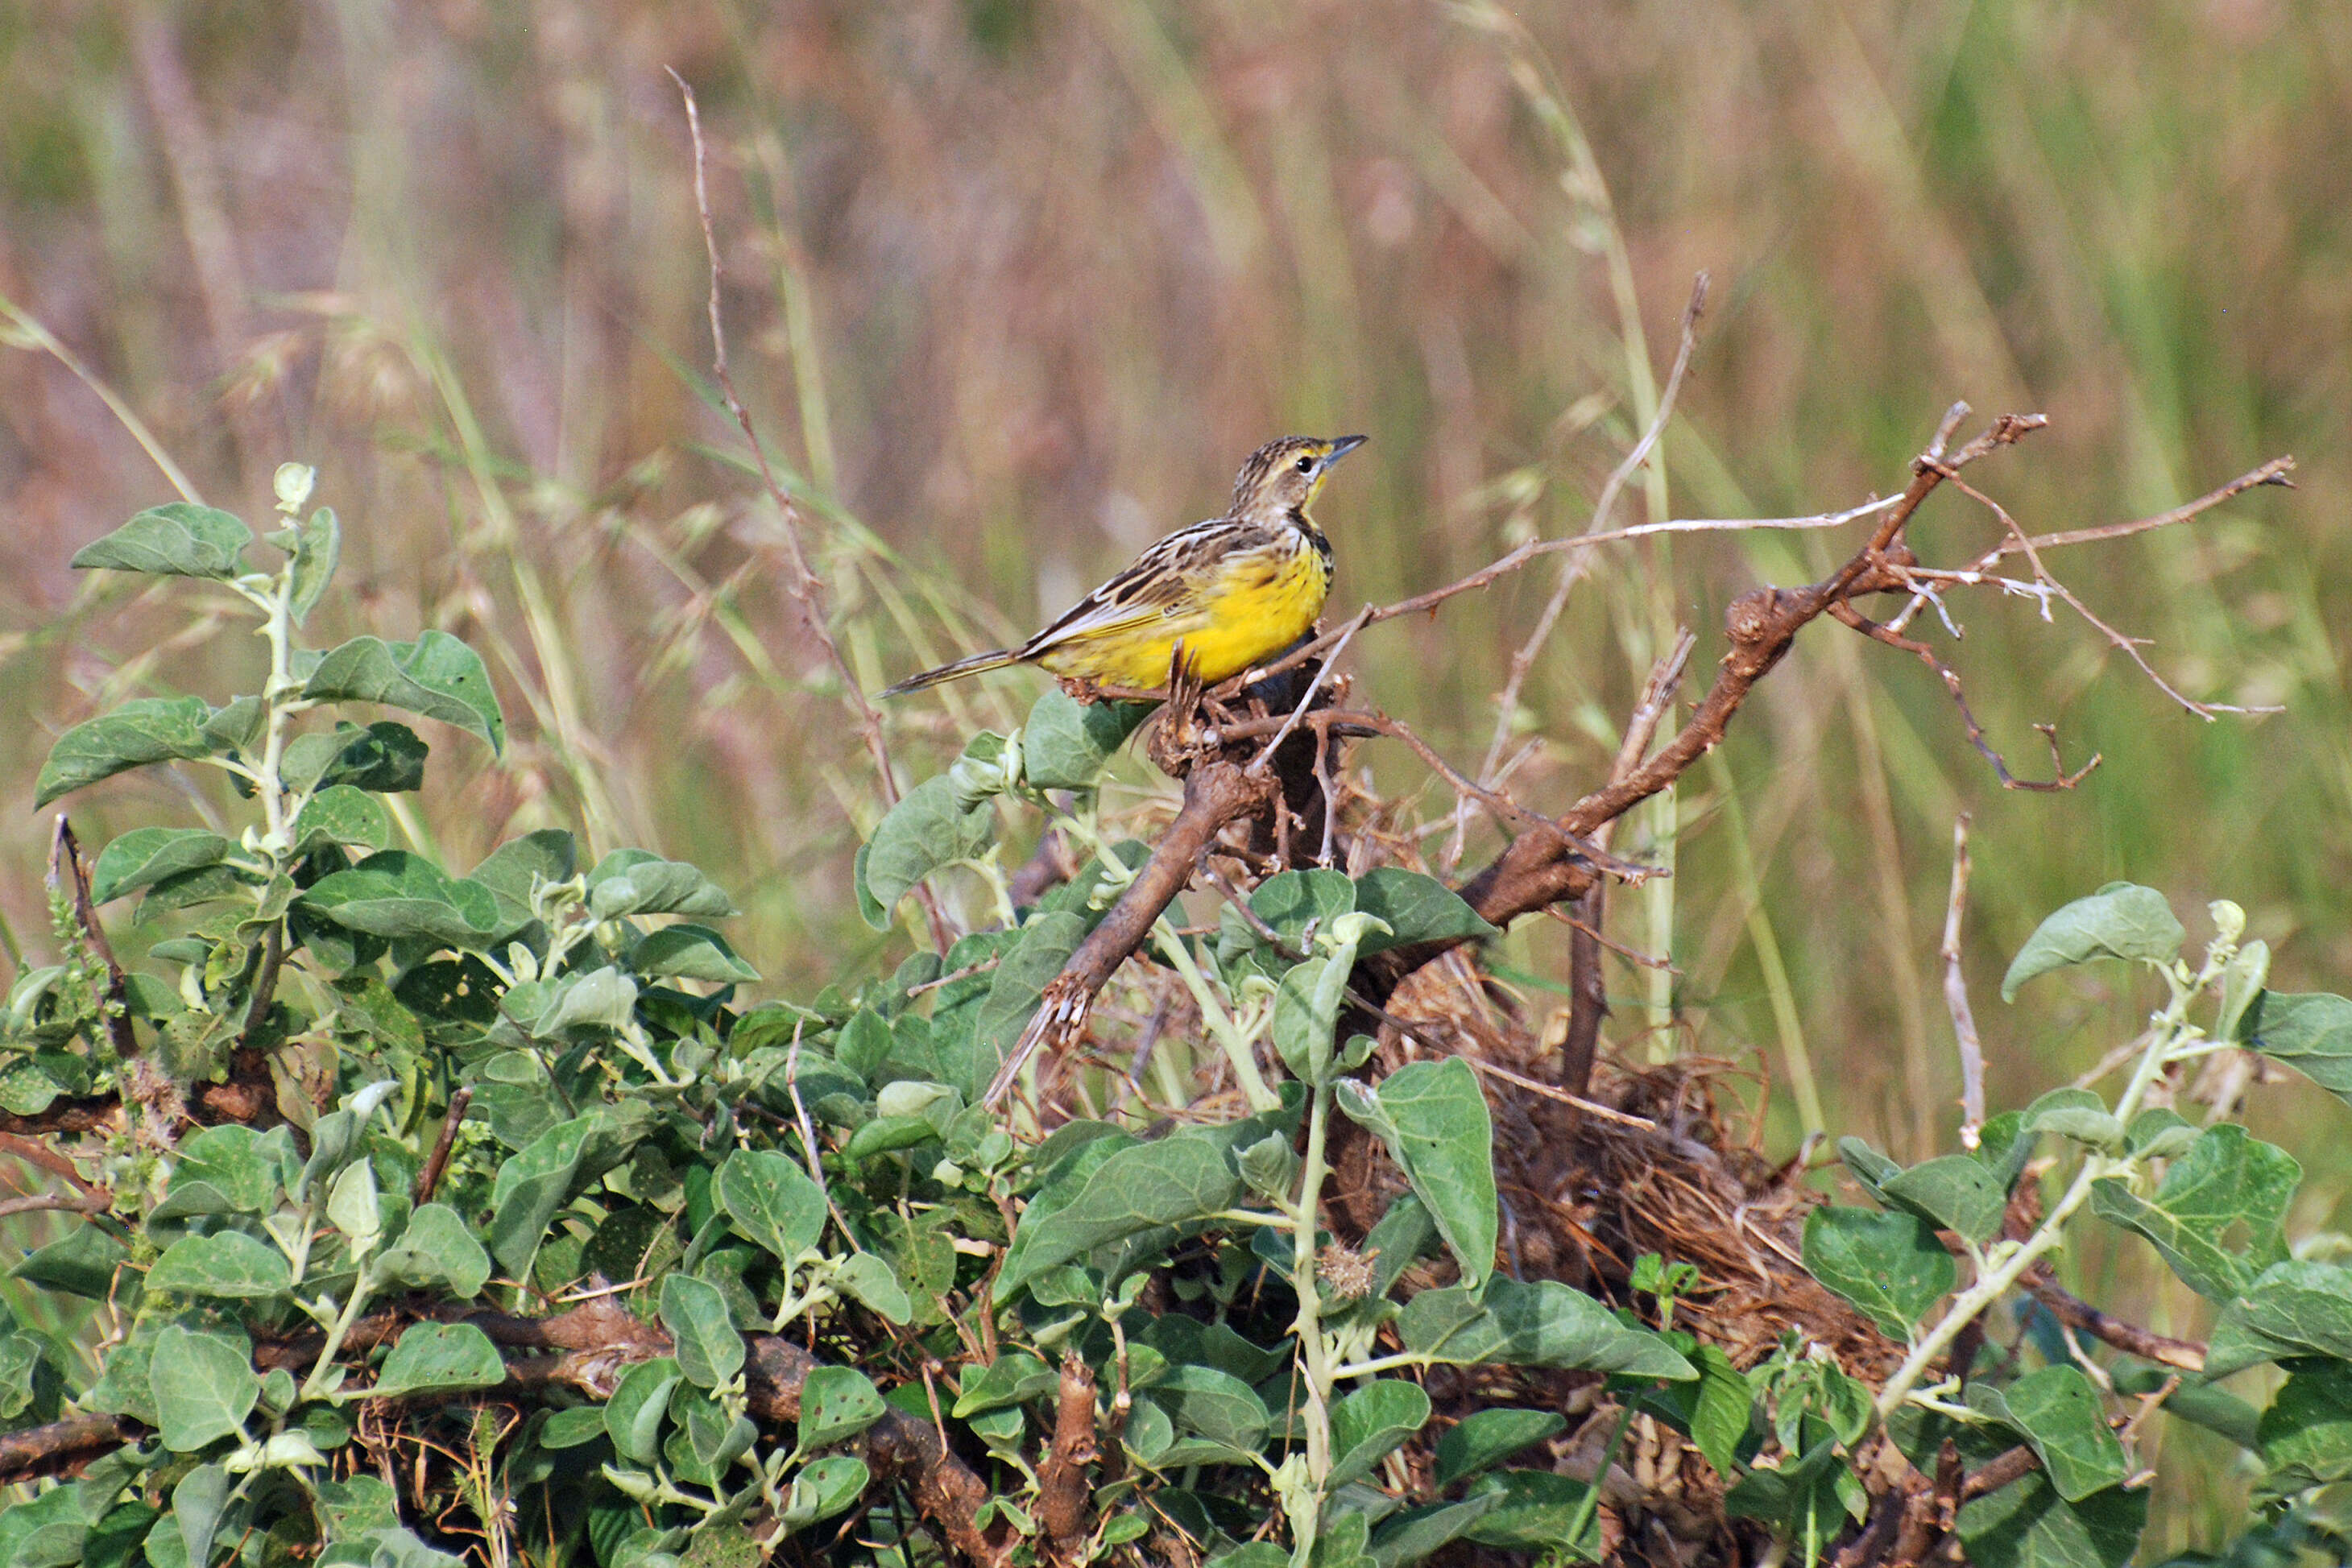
[{"x": 1286, "y": 475}]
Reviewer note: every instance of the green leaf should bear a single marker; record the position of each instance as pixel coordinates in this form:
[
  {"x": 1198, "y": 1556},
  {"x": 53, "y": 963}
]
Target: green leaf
[
  {"x": 2058, "y": 1411},
  {"x": 1415, "y": 1532},
  {"x": 709, "y": 1349},
  {"x": 81, "y": 1262},
  {"x": 436, "y": 675},
  {"x": 352, "y": 1509},
  {"x": 1014, "y": 1378},
  {"x": 1019, "y": 979},
  {"x": 633, "y": 1415},
  {"x": 246, "y": 1167},
  {"x": 2305, "y": 1435},
  {"x": 770, "y": 1200},
  {"x": 397, "y": 896},
  {"x": 1417, "y": 908},
  {"x": 2075, "y": 1114},
  {"x": 179, "y": 538},
  {"x": 318, "y": 547},
  {"x": 689, "y": 953},
  {"x": 437, "y": 1357},
  {"x": 1485, "y": 1436},
  {"x": 1135, "y": 1189},
  {"x": 1432, "y": 1116},
  {"x": 1065, "y": 743},
  {"x": 2311, "y": 1034},
  {"x": 230, "y": 1265},
  {"x": 2295, "y": 1308},
  {"x": 1371, "y": 1424},
  {"x": 341, "y": 814},
  {"x": 1538, "y": 1323},
  {"x": 1307, "y": 1011},
  {"x": 1954, "y": 1191},
  {"x": 2119, "y": 921},
  {"x": 2229, "y": 1185},
  {"x": 385, "y": 757},
  {"x": 823, "y": 1487},
  {"x": 573, "y": 1428},
  {"x": 437, "y": 1249},
  {"x": 2242, "y": 980},
  {"x": 837, "y": 1402},
  {"x": 867, "y": 1279},
  {"x": 637, "y": 881},
  {"x": 927, "y": 829},
  {"x": 205, "y": 1386},
  {"x": 1867, "y": 1166},
  {"x": 143, "y": 730},
  {"x": 1889, "y": 1265},
  {"x": 196, "y": 1503},
  {"x": 2028, "y": 1525},
  {"x": 147, "y": 855},
  {"x": 1533, "y": 1510},
  {"x": 1214, "y": 1404},
  {"x": 531, "y": 1186}
]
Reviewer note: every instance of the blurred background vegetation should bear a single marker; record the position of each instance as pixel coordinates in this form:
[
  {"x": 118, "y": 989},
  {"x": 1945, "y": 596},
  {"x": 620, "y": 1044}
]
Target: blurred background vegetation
[{"x": 1014, "y": 284}]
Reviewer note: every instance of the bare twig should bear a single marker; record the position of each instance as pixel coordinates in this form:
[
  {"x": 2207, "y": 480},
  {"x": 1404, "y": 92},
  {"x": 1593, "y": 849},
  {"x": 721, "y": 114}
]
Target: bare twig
[
  {"x": 1956, "y": 992},
  {"x": 69, "y": 874},
  {"x": 1551, "y": 1092},
  {"x": 2072, "y": 1311},
  {"x": 71, "y": 1202},
  {"x": 429, "y": 1178}
]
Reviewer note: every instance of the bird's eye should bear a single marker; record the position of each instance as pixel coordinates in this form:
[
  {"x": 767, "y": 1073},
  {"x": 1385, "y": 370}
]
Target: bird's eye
[{"x": 1306, "y": 464}]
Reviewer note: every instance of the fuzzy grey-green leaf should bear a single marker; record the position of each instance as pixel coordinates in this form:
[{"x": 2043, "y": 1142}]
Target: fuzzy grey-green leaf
[
  {"x": 2121, "y": 920},
  {"x": 179, "y": 538},
  {"x": 440, "y": 1358},
  {"x": 927, "y": 829},
  {"x": 436, "y": 675},
  {"x": 708, "y": 1350},
  {"x": 2229, "y": 1187},
  {"x": 141, "y": 731},
  {"x": 1889, "y": 1265},
  {"x": 147, "y": 855},
  {"x": 205, "y": 1386}
]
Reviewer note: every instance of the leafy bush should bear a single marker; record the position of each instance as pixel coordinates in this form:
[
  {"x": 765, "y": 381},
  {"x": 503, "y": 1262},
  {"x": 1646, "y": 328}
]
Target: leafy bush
[{"x": 432, "y": 1212}]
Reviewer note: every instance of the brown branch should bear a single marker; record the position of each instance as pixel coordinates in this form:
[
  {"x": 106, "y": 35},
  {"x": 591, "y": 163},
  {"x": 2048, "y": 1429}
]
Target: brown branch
[
  {"x": 2075, "y": 1313},
  {"x": 71, "y": 1202},
  {"x": 60, "y": 1446},
  {"x": 2013, "y": 1465},
  {"x": 437, "y": 1161},
  {"x": 1216, "y": 792},
  {"x": 1062, "y": 1490},
  {"x": 66, "y": 866},
  {"x": 897, "y": 1447}
]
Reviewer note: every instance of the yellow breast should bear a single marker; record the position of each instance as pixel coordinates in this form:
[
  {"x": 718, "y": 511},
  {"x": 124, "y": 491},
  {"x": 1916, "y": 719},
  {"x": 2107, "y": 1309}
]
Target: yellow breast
[{"x": 1254, "y": 606}]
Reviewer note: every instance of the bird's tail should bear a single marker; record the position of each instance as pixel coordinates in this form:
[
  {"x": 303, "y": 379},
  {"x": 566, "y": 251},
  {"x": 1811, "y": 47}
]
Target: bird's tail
[{"x": 996, "y": 660}]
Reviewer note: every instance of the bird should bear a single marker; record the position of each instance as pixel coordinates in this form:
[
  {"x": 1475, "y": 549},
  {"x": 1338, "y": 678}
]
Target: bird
[{"x": 1229, "y": 591}]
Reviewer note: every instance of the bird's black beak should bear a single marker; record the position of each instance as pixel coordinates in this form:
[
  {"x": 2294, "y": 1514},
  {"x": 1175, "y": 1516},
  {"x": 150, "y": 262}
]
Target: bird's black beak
[{"x": 1341, "y": 447}]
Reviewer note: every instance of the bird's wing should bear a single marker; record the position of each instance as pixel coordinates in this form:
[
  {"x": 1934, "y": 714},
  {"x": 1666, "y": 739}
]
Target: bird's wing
[{"x": 1161, "y": 583}]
